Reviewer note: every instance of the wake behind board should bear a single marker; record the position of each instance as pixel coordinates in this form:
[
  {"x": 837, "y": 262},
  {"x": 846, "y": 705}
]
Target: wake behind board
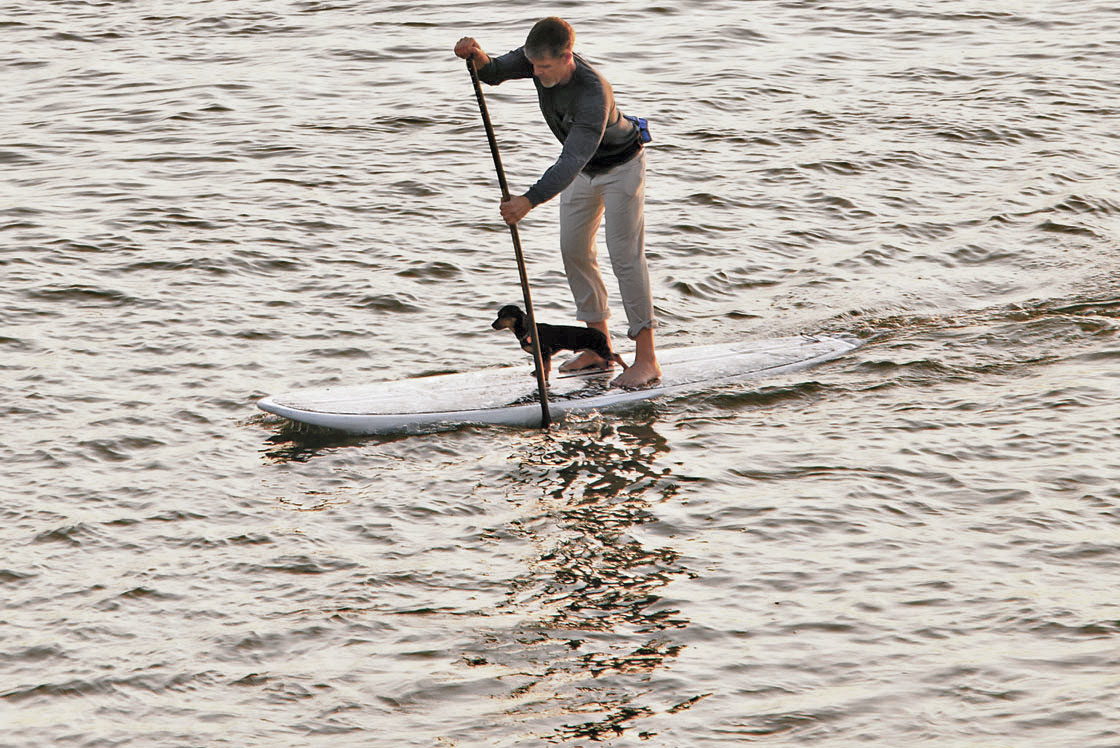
[{"x": 508, "y": 395}]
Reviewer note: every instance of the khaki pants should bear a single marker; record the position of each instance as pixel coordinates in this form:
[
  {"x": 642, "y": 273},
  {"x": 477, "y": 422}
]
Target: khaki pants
[{"x": 619, "y": 195}]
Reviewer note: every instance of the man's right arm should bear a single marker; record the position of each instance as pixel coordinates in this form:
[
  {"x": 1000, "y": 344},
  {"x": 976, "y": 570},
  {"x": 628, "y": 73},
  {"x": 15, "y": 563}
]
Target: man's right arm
[{"x": 494, "y": 70}]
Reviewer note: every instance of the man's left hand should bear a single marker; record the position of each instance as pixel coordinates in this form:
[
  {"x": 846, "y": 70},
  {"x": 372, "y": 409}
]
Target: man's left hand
[{"x": 514, "y": 209}]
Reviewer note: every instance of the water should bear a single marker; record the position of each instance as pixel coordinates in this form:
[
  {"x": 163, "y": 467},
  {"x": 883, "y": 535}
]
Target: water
[{"x": 914, "y": 545}]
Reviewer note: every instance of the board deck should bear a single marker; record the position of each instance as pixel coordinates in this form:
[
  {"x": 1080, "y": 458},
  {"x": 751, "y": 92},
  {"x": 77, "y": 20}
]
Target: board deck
[{"x": 508, "y": 395}]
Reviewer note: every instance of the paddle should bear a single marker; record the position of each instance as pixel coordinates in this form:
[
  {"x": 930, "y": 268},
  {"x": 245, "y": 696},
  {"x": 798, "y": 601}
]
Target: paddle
[{"x": 542, "y": 385}]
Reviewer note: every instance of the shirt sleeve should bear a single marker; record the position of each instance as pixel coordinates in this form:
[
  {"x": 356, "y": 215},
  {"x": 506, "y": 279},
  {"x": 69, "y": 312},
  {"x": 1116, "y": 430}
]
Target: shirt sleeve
[
  {"x": 511, "y": 65},
  {"x": 580, "y": 144}
]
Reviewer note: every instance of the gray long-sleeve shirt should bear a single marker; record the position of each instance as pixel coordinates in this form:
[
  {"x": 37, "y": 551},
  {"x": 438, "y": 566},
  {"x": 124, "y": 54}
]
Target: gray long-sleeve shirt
[{"x": 581, "y": 114}]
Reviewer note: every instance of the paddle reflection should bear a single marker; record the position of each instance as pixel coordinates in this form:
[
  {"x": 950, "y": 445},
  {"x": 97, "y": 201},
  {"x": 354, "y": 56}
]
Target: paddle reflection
[{"x": 595, "y": 587}]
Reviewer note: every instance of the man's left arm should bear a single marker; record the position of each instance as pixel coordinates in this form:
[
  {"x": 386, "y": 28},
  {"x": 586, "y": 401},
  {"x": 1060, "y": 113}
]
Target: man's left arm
[
  {"x": 582, "y": 141},
  {"x": 579, "y": 146}
]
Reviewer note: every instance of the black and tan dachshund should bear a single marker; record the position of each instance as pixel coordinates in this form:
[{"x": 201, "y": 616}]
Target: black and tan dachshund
[{"x": 555, "y": 337}]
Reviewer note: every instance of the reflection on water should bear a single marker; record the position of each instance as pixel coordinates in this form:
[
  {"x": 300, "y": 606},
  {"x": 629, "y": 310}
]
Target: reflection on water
[
  {"x": 295, "y": 442},
  {"x": 589, "y": 604}
]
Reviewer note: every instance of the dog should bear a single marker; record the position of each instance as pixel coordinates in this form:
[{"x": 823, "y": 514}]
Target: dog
[{"x": 555, "y": 338}]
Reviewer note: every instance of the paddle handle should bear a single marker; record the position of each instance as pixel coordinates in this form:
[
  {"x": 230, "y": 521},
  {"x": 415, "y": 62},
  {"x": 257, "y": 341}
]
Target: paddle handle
[{"x": 542, "y": 384}]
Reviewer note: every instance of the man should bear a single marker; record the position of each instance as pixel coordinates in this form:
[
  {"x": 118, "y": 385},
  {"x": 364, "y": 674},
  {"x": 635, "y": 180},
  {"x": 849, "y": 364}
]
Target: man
[{"x": 601, "y": 170}]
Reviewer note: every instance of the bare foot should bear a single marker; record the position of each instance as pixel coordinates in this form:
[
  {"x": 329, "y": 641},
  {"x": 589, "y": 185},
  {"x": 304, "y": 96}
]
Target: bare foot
[
  {"x": 586, "y": 360},
  {"x": 640, "y": 374}
]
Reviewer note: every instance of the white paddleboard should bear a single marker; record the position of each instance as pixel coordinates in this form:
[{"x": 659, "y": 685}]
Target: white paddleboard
[{"x": 508, "y": 395}]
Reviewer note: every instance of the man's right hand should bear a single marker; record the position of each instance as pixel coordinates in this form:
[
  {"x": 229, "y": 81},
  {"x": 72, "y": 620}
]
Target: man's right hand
[{"x": 468, "y": 48}]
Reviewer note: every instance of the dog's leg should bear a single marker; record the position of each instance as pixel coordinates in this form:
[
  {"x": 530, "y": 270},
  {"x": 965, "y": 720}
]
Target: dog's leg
[{"x": 546, "y": 362}]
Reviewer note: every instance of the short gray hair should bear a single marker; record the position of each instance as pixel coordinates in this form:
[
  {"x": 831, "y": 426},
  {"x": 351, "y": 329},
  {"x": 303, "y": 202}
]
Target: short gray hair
[{"x": 550, "y": 37}]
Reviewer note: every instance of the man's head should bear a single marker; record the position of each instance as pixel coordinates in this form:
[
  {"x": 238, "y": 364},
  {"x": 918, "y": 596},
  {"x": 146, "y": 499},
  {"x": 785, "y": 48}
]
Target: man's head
[{"x": 549, "y": 48}]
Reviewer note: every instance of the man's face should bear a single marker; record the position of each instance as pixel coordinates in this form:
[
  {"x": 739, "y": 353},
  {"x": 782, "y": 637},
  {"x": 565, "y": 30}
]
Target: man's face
[{"x": 551, "y": 71}]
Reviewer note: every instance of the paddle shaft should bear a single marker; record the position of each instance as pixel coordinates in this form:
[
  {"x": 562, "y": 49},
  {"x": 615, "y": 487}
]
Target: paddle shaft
[{"x": 542, "y": 384}]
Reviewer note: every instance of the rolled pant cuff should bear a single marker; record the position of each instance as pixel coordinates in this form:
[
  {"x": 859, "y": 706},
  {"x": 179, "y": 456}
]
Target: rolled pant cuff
[{"x": 636, "y": 330}]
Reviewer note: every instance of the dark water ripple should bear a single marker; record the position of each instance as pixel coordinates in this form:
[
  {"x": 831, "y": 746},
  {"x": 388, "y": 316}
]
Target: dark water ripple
[{"x": 205, "y": 204}]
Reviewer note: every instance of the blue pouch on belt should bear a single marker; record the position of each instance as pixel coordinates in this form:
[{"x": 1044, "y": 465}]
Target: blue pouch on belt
[{"x": 643, "y": 126}]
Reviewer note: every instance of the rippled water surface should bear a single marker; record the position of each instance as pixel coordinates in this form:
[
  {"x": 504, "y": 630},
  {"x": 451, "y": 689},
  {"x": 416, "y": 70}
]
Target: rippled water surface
[{"x": 917, "y": 544}]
